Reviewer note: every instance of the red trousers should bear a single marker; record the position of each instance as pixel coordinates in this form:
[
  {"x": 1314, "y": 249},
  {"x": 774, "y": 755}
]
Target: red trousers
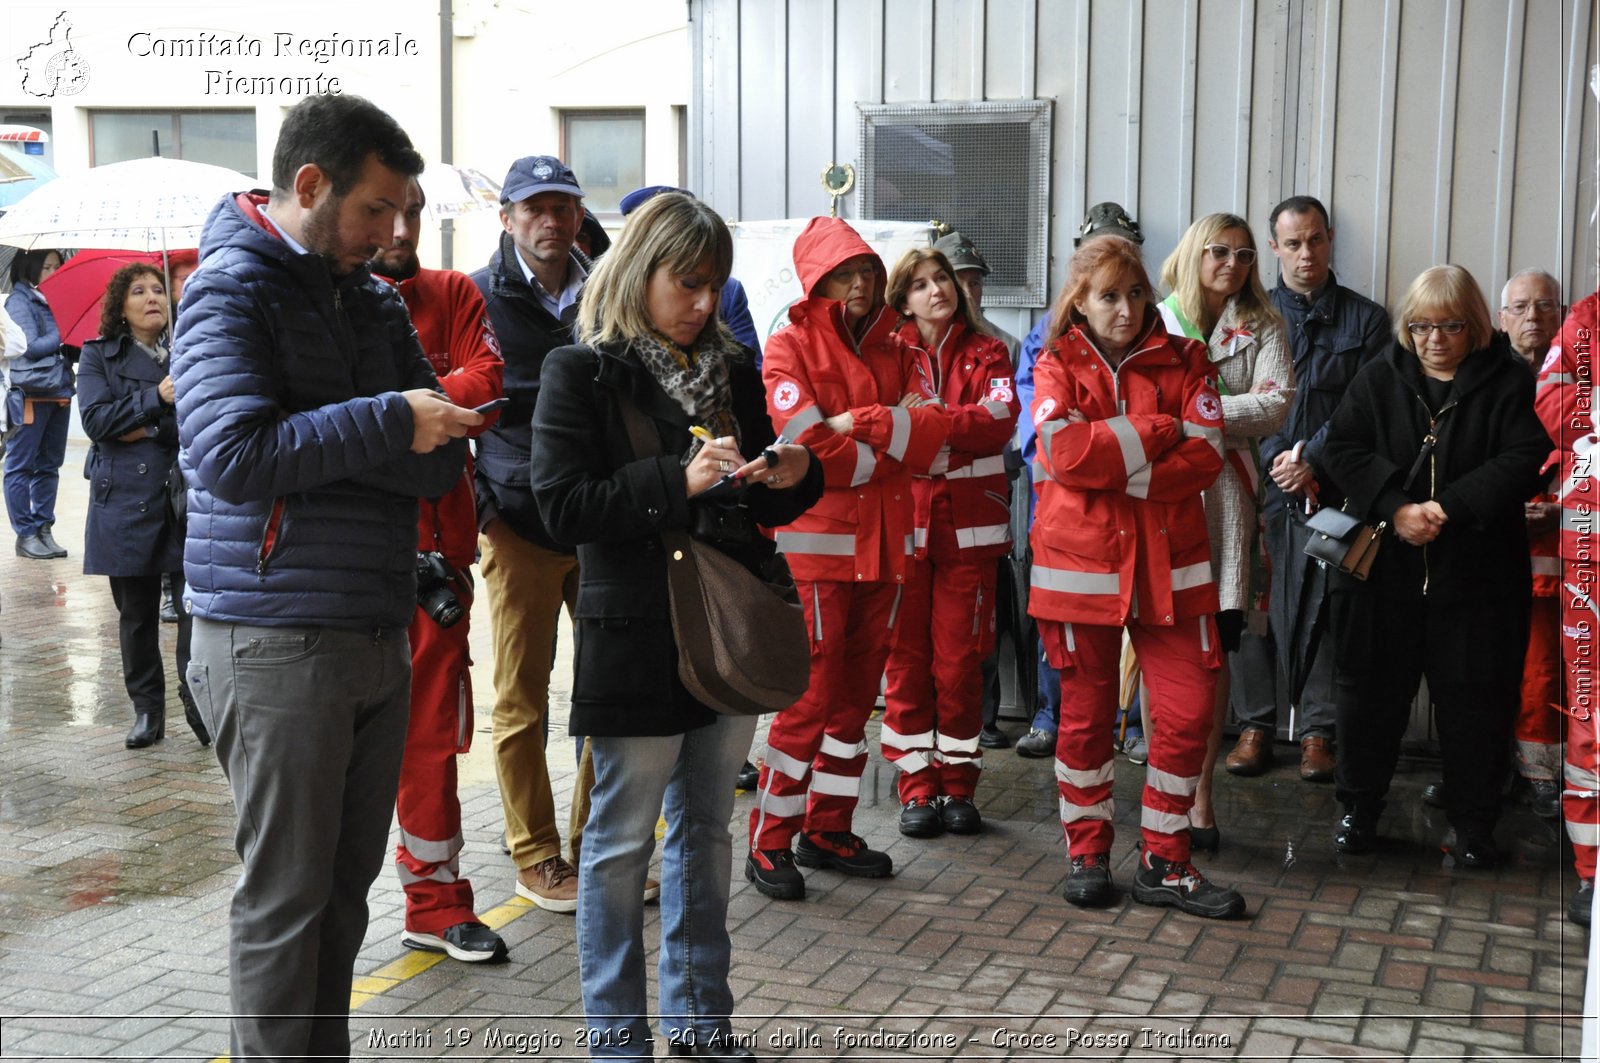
[
  {"x": 934, "y": 701},
  {"x": 428, "y": 856},
  {"x": 1580, "y": 642},
  {"x": 1180, "y": 666},
  {"x": 811, "y": 778},
  {"x": 1539, "y": 723}
]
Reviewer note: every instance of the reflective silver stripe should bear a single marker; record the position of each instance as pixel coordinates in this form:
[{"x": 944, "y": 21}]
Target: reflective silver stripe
[
  {"x": 431, "y": 852},
  {"x": 1072, "y": 813},
  {"x": 1083, "y": 778},
  {"x": 911, "y": 546},
  {"x": 1040, "y": 473},
  {"x": 1553, "y": 378},
  {"x": 1205, "y": 636},
  {"x": 828, "y": 544},
  {"x": 835, "y": 785},
  {"x": 1133, "y": 455},
  {"x": 801, "y": 420},
  {"x": 1545, "y": 566},
  {"x": 1139, "y": 482},
  {"x": 941, "y": 462},
  {"x": 441, "y": 874},
  {"x": 999, "y": 410},
  {"x": 1584, "y": 833},
  {"x": 1168, "y": 783},
  {"x": 990, "y": 466},
  {"x": 894, "y": 610},
  {"x": 911, "y": 763},
  {"x": 989, "y": 535},
  {"x": 900, "y": 435},
  {"x": 1191, "y": 576},
  {"x": 1206, "y": 432},
  {"x": 1162, "y": 822},
  {"x": 788, "y": 766},
  {"x": 832, "y": 747},
  {"x": 1574, "y": 521},
  {"x": 957, "y": 745},
  {"x": 816, "y": 610},
  {"x": 786, "y": 806},
  {"x": 1580, "y": 778},
  {"x": 866, "y": 461},
  {"x": 919, "y": 537},
  {"x": 1067, "y": 581},
  {"x": 1072, "y": 639},
  {"x": 895, "y": 740},
  {"x": 1581, "y": 600}
]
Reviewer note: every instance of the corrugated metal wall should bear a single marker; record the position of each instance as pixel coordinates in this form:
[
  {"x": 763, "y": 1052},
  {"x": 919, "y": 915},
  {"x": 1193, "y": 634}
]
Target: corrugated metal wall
[{"x": 1436, "y": 130}]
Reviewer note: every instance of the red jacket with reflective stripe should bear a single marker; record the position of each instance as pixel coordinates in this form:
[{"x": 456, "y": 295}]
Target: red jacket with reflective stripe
[
  {"x": 814, "y": 369},
  {"x": 1120, "y": 532},
  {"x": 1565, "y": 401},
  {"x": 453, "y": 328},
  {"x": 972, "y": 373}
]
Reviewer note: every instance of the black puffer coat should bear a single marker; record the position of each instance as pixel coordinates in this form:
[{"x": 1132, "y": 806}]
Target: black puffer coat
[
  {"x": 595, "y": 495},
  {"x": 1486, "y": 464}
]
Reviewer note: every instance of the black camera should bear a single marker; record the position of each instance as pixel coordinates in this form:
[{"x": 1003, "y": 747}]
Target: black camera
[{"x": 435, "y": 589}]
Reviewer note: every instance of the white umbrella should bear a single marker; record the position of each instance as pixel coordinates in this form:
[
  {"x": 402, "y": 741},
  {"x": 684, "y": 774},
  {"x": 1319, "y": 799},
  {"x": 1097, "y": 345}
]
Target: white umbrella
[
  {"x": 453, "y": 191},
  {"x": 140, "y": 205}
]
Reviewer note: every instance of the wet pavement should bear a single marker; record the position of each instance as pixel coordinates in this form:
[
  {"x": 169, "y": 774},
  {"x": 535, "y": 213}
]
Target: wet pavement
[{"x": 116, "y": 869}]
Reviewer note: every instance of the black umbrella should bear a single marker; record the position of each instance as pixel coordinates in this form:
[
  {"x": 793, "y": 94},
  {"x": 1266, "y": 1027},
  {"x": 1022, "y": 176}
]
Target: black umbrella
[{"x": 1297, "y": 610}]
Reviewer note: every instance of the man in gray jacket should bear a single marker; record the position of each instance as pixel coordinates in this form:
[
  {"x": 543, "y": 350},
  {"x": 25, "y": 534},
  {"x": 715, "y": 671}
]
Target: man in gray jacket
[{"x": 310, "y": 421}]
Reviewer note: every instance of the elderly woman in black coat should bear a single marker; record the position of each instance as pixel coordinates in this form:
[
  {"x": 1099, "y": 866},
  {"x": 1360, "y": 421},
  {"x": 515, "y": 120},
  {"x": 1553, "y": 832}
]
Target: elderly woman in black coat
[
  {"x": 133, "y": 534},
  {"x": 653, "y": 341},
  {"x": 1437, "y": 438}
]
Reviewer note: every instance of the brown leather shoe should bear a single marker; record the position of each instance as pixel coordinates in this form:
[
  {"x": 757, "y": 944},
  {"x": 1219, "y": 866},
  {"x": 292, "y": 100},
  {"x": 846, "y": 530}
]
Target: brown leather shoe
[
  {"x": 1252, "y": 755},
  {"x": 1316, "y": 759}
]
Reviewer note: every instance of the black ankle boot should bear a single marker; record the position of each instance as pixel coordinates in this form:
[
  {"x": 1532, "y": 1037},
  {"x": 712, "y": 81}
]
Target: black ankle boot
[
  {"x": 148, "y": 729},
  {"x": 191, "y": 713}
]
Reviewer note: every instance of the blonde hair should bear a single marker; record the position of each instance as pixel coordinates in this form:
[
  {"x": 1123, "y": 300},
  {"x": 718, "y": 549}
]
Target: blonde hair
[
  {"x": 1180, "y": 273},
  {"x": 672, "y": 230},
  {"x": 1449, "y": 290},
  {"x": 900, "y": 284},
  {"x": 1094, "y": 259}
]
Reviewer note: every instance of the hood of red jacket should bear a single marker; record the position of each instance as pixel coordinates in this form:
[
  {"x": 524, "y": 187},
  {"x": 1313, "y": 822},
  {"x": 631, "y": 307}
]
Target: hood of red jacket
[{"x": 824, "y": 246}]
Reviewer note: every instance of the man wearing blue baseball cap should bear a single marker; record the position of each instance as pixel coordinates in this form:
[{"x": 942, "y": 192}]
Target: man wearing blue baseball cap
[{"x": 530, "y": 287}]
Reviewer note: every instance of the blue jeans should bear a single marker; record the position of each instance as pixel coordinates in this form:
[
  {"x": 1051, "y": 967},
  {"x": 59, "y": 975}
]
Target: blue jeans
[
  {"x": 33, "y": 468},
  {"x": 1048, "y": 716},
  {"x": 689, "y": 779}
]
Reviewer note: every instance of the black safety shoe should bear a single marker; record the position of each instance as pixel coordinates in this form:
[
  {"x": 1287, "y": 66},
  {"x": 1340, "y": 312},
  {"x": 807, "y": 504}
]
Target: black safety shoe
[
  {"x": 772, "y": 871},
  {"x": 1474, "y": 848},
  {"x": 991, "y": 737},
  {"x": 961, "y": 816},
  {"x": 1581, "y": 907},
  {"x": 467, "y": 942},
  {"x": 1356, "y": 833},
  {"x": 920, "y": 819},
  {"x": 1089, "y": 881},
  {"x": 1545, "y": 797},
  {"x": 1178, "y": 885},
  {"x": 844, "y": 852},
  {"x": 749, "y": 777}
]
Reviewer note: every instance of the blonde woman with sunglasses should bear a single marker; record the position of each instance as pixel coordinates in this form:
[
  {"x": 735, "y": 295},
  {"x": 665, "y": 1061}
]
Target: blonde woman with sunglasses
[{"x": 1217, "y": 298}]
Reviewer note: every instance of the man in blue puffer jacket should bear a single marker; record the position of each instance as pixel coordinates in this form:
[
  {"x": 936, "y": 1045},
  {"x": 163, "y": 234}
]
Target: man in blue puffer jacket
[{"x": 310, "y": 422}]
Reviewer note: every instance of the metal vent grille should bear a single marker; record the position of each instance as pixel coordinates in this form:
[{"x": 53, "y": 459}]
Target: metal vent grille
[{"x": 982, "y": 168}]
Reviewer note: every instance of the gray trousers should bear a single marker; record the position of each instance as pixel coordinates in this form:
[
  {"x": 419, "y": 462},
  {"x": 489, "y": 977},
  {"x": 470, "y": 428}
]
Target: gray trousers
[
  {"x": 309, "y": 724},
  {"x": 1258, "y": 676}
]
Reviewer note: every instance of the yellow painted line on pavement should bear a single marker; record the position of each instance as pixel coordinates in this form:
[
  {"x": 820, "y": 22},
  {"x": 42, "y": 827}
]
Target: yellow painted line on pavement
[{"x": 415, "y": 961}]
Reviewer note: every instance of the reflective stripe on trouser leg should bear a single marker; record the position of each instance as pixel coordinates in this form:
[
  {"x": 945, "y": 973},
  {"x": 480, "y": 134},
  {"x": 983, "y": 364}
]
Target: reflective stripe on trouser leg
[
  {"x": 830, "y": 718},
  {"x": 1089, "y": 677},
  {"x": 1180, "y": 666},
  {"x": 1580, "y": 808},
  {"x": 908, "y": 715},
  {"x": 1538, "y": 728},
  {"x": 427, "y": 808},
  {"x": 963, "y": 635}
]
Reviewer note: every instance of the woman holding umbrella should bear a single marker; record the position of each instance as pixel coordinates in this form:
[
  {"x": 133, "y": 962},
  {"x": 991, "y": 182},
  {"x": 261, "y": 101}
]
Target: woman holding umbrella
[
  {"x": 37, "y": 448},
  {"x": 134, "y": 532}
]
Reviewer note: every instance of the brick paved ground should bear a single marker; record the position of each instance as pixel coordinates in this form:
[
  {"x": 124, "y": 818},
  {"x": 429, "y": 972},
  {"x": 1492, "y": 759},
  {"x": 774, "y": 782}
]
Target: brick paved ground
[{"x": 116, "y": 868}]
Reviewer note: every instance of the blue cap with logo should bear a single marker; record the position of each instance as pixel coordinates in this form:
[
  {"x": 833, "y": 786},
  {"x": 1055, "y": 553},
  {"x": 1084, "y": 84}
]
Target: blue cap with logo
[
  {"x": 639, "y": 196},
  {"x": 535, "y": 174}
]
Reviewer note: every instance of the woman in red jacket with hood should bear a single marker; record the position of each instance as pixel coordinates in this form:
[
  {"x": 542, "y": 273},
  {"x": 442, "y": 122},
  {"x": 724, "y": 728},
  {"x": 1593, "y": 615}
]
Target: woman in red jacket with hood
[
  {"x": 946, "y": 626},
  {"x": 1130, "y": 433},
  {"x": 840, "y": 382}
]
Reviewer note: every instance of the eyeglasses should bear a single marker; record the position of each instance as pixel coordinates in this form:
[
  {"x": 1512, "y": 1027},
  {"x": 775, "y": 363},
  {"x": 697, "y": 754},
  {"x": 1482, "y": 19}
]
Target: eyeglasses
[
  {"x": 1521, "y": 308},
  {"x": 1222, "y": 252},
  {"x": 1420, "y": 329}
]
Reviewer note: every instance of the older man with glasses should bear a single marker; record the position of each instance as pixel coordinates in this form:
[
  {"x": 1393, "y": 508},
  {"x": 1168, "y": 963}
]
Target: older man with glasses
[{"x": 1530, "y": 314}]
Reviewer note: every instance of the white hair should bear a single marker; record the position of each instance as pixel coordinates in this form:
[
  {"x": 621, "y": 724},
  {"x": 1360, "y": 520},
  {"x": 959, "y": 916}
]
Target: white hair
[{"x": 1548, "y": 279}]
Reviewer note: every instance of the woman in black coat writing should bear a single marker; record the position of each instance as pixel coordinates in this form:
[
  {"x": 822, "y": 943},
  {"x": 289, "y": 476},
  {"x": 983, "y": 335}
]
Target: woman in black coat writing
[
  {"x": 652, "y": 340},
  {"x": 1438, "y": 438},
  {"x": 133, "y": 534}
]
